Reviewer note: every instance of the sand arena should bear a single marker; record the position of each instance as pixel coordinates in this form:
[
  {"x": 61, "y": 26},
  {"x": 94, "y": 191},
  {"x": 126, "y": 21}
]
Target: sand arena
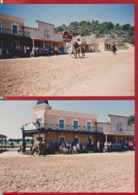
[
  {"x": 98, "y": 74},
  {"x": 98, "y": 172}
]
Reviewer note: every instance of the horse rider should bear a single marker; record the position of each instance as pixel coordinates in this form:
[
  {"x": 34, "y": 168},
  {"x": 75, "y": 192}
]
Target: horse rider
[
  {"x": 78, "y": 44},
  {"x": 114, "y": 49}
]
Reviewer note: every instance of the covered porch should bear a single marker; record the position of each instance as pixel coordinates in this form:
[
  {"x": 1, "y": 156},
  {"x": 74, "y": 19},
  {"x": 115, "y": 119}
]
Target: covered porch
[
  {"x": 3, "y": 141},
  {"x": 67, "y": 134}
]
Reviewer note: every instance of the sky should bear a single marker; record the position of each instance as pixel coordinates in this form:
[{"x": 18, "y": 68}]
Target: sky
[
  {"x": 64, "y": 14},
  {"x": 14, "y": 114}
]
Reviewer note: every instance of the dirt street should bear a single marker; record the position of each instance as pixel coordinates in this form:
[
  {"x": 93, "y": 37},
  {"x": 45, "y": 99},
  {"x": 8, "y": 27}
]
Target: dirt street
[
  {"x": 103, "y": 172},
  {"x": 98, "y": 74}
]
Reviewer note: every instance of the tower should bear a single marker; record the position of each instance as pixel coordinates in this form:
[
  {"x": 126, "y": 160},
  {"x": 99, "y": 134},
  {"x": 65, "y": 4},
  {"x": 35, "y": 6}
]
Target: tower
[{"x": 40, "y": 110}]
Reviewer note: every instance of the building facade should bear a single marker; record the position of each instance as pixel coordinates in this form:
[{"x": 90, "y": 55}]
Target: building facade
[
  {"x": 63, "y": 126},
  {"x": 44, "y": 36},
  {"x": 12, "y": 32},
  {"x": 89, "y": 42},
  {"x": 117, "y": 129}
]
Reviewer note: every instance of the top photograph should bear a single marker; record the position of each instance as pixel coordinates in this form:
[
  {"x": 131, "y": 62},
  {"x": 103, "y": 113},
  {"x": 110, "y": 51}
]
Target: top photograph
[{"x": 79, "y": 50}]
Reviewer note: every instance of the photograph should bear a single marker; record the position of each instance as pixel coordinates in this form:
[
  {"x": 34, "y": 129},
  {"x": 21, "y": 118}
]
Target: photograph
[
  {"x": 67, "y": 146},
  {"x": 67, "y": 50}
]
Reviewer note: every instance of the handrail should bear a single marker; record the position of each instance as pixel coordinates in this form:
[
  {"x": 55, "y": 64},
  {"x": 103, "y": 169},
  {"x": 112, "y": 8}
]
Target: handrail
[
  {"x": 69, "y": 127},
  {"x": 13, "y": 32}
]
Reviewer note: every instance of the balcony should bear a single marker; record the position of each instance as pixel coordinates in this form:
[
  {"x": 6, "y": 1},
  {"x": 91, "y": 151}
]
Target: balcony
[
  {"x": 55, "y": 127},
  {"x": 124, "y": 132},
  {"x": 15, "y": 33}
]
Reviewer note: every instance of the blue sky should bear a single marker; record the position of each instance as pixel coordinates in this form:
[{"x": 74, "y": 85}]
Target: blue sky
[
  {"x": 13, "y": 114},
  {"x": 59, "y": 14}
]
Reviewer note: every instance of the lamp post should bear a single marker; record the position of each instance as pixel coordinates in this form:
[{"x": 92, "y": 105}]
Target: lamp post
[
  {"x": 38, "y": 126},
  {"x": 23, "y": 139}
]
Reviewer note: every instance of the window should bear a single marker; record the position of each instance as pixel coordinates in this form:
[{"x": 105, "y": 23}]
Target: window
[
  {"x": 0, "y": 26},
  {"x": 46, "y": 33},
  {"x": 120, "y": 127},
  {"x": 89, "y": 126},
  {"x": 117, "y": 127},
  {"x": 62, "y": 139},
  {"x": 76, "y": 140},
  {"x": 75, "y": 124},
  {"x": 61, "y": 124},
  {"x": 15, "y": 29},
  {"x": 39, "y": 120}
]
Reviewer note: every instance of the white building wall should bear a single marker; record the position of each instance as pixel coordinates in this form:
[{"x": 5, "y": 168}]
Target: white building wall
[{"x": 44, "y": 31}]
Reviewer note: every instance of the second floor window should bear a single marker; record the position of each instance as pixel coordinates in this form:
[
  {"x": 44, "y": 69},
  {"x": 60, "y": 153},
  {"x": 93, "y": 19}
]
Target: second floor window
[
  {"x": 15, "y": 29},
  {"x": 61, "y": 124},
  {"x": 39, "y": 120},
  {"x": 46, "y": 33},
  {"x": 119, "y": 127},
  {"x": 75, "y": 124},
  {"x": 89, "y": 126}
]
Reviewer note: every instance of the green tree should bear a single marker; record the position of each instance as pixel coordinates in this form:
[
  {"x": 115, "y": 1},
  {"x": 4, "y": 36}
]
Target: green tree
[
  {"x": 59, "y": 29},
  {"x": 131, "y": 120},
  {"x": 126, "y": 27}
]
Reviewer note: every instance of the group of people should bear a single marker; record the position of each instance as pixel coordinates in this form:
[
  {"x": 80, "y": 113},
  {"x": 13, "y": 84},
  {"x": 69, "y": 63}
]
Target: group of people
[
  {"x": 128, "y": 145},
  {"x": 25, "y": 51},
  {"x": 65, "y": 147},
  {"x": 15, "y": 50},
  {"x": 51, "y": 50}
]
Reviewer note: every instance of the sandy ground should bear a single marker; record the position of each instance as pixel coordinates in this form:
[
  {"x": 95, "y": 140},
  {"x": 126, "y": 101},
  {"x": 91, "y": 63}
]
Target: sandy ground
[
  {"x": 98, "y": 74},
  {"x": 104, "y": 172}
]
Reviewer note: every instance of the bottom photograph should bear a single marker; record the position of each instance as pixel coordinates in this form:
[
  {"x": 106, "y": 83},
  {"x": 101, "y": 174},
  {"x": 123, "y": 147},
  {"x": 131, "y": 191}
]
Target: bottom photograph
[{"x": 67, "y": 146}]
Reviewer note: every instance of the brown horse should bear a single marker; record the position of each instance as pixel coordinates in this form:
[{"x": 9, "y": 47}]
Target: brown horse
[
  {"x": 40, "y": 150},
  {"x": 79, "y": 50}
]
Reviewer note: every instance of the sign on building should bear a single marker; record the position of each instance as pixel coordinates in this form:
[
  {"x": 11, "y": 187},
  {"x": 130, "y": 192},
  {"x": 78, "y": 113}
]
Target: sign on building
[{"x": 67, "y": 37}]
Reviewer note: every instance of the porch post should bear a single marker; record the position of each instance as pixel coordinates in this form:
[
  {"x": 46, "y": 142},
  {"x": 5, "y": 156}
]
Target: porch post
[
  {"x": 88, "y": 135},
  {"x": 116, "y": 139},
  {"x": 102, "y": 142},
  {"x": 33, "y": 44},
  {"x": 106, "y": 139},
  {"x": 23, "y": 140},
  {"x": 43, "y": 44},
  {"x": 32, "y": 141},
  {"x": 73, "y": 137},
  {"x": 57, "y": 139},
  {"x": 1, "y": 142},
  {"x": 96, "y": 142},
  {"x": 5, "y": 143}
]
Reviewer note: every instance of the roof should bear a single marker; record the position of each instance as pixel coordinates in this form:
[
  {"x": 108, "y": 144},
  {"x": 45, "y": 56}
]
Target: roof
[
  {"x": 107, "y": 123},
  {"x": 118, "y": 116},
  {"x": 3, "y": 136},
  {"x": 12, "y": 16},
  {"x": 30, "y": 27},
  {"x": 42, "y": 102},
  {"x": 71, "y": 113},
  {"x": 44, "y": 22}
]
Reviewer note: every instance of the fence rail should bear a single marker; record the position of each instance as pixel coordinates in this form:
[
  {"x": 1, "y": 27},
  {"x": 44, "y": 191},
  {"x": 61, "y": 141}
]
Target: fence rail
[
  {"x": 125, "y": 132},
  {"x": 66, "y": 128},
  {"x": 13, "y": 32}
]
